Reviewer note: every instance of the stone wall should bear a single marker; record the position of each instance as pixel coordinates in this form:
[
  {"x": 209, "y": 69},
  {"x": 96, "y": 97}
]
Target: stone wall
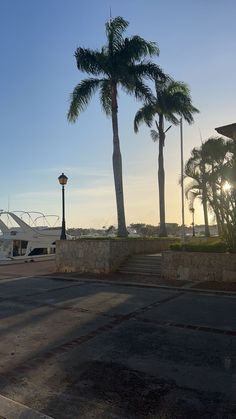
[
  {"x": 106, "y": 256},
  {"x": 198, "y": 266}
]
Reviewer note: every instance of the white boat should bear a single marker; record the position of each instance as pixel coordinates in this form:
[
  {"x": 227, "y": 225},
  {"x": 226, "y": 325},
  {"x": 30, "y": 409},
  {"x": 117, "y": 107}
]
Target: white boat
[{"x": 22, "y": 241}]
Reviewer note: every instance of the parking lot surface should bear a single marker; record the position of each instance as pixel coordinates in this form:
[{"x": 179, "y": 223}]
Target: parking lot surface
[{"x": 78, "y": 349}]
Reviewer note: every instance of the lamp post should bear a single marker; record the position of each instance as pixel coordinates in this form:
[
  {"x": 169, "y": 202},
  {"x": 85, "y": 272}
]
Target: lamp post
[{"x": 63, "y": 181}]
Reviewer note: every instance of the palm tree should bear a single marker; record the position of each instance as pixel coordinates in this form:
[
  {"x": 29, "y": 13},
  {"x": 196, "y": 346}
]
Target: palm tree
[
  {"x": 195, "y": 169},
  {"x": 206, "y": 167},
  {"x": 171, "y": 102},
  {"x": 216, "y": 153},
  {"x": 122, "y": 62},
  {"x": 213, "y": 167}
]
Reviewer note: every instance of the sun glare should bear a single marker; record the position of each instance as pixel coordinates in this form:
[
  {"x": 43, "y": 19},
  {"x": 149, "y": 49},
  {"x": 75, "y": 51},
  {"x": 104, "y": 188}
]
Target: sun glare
[{"x": 227, "y": 186}]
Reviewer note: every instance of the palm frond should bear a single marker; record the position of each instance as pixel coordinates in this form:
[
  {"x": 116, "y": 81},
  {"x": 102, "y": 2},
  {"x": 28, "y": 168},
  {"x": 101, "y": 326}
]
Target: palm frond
[
  {"x": 135, "y": 86},
  {"x": 142, "y": 91},
  {"x": 170, "y": 117},
  {"x": 81, "y": 97},
  {"x": 215, "y": 150},
  {"x": 132, "y": 79},
  {"x": 175, "y": 101},
  {"x": 148, "y": 70},
  {"x": 146, "y": 115},
  {"x": 114, "y": 31},
  {"x": 154, "y": 135},
  {"x": 136, "y": 48},
  {"x": 105, "y": 97},
  {"x": 89, "y": 61},
  {"x": 172, "y": 98},
  {"x": 175, "y": 86},
  {"x": 192, "y": 186}
]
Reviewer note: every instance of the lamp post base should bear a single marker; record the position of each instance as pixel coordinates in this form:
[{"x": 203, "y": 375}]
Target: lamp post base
[{"x": 63, "y": 231}]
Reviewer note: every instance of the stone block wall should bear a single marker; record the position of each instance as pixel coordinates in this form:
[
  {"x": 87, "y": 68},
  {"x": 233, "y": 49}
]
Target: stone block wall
[
  {"x": 199, "y": 266},
  {"x": 82, "y": 256},
  {"x": 102, "y": 256}
]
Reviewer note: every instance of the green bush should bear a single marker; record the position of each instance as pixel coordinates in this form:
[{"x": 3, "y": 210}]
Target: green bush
[{"x": 200, "y": 246}]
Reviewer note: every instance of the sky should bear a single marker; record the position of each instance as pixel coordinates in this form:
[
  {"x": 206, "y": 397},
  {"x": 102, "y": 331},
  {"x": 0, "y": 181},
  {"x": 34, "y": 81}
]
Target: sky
[{"x": 38, "y": 39}]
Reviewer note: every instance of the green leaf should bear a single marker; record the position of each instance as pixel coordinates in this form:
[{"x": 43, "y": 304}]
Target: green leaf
[{"x": 81, "y": 97}]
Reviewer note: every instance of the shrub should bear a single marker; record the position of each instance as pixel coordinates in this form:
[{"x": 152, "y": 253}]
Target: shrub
[{"x": 200, "y": 246}]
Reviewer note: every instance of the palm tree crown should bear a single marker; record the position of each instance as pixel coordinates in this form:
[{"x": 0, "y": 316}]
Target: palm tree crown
[
  {"x": 122, "y": 62},
  {"x": 172, "y": 101}
]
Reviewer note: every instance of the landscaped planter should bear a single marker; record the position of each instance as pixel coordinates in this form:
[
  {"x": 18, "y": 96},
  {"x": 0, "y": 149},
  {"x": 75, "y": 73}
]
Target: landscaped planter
[
  {"x": 199, "y": 266},
  {"x": 105, "y": 255}
]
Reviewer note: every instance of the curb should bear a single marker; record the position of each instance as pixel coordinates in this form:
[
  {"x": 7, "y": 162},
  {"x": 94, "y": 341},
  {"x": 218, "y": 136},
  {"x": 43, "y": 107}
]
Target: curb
[
  {"x": 184, "y": 288},
  {"x": 10, "y": 409},
  {"x": 14, "y": 262}
]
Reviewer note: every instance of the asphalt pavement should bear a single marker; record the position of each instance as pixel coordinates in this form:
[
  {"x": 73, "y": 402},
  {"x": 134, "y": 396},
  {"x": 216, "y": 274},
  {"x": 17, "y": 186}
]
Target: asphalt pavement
[{"x": 87, "y": 349}]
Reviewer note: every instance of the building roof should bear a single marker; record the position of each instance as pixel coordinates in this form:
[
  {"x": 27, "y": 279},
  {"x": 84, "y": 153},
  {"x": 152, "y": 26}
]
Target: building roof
[{"x": 227, "y": 130}]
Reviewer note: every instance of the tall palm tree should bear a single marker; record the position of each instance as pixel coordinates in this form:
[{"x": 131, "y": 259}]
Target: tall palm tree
[
  {"x": 122, "y": 62},
  {"x": 172, "y": 101}
]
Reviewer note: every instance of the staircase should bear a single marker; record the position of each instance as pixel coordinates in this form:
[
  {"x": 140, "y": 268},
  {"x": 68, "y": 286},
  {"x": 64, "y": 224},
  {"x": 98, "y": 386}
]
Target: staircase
[{"x": 142, "y": 265}]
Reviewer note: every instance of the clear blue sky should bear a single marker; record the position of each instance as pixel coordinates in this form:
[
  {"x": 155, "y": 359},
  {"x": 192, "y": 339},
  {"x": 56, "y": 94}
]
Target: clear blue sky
[{"x": 38, "y": 72}]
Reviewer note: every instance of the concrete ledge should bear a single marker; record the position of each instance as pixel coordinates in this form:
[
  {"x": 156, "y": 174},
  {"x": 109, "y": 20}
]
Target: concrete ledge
[
  {"x": 199, "y": 266},
  {"x": 9, "y": 409},
  {"x": 103, "y": 256}
]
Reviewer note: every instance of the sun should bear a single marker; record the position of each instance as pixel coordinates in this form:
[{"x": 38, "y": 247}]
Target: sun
[{"x": 227, "y": 186}]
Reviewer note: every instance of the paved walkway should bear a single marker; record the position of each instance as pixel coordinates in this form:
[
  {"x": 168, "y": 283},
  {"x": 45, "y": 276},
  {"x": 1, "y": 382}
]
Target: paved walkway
[
  {"x": 78, "y": 349},
  {"x": 20, "y": 268}
]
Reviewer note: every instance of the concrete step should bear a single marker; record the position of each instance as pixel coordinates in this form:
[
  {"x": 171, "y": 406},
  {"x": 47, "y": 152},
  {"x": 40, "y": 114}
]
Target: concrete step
[
  {"x": 149, "y": 257},
  {"x": 143, "y": 265},
  {"x": 149, "y": 260},
  {"x": 140, "y": 273},
  {"x": 139, "y": 268}
]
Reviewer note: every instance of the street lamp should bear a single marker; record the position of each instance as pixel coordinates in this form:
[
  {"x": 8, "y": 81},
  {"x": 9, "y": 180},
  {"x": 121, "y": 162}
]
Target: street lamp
[{"x": 63, "y": 181}]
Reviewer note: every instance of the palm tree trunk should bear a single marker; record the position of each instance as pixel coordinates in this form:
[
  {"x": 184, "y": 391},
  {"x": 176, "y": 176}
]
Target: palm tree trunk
[
  {"x": 161, "y": 177},
  {"x": 117, "y": 167},
  {"x": 204, "y": 204},
  {"x": 216, "y": 208}
]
